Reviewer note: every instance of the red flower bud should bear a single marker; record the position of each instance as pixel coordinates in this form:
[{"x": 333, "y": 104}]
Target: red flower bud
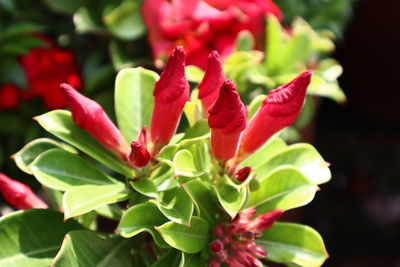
[
  {"x": 19, "y": 195},
  {"x": 212, "y": 81},
  {"x": 170, "y": 95},
  {"x": 216, "y": 246},
  {"x": 264, "y": 221},
  {"x": 90, "y": 116},
  {"x": 9, "y": 97},
  {"x": 242, "y": 174},
  {"x": 278, "y": 110},
  {"x": 139, "y": 156},
  {"x": 227, "y": 120}
]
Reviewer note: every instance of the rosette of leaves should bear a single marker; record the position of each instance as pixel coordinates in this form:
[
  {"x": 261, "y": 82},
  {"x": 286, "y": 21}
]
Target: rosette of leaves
[
  {"x": 166, "y": 217},
  {"x": 287, "y": 51}
]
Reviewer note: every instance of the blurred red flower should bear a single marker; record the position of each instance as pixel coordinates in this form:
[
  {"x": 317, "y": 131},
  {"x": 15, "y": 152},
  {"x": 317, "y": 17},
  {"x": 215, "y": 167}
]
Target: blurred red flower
[
  {"x": 9, "y": 97},
  {"x": 46, "y": 68},
  {"x": 201, "y": 26}
]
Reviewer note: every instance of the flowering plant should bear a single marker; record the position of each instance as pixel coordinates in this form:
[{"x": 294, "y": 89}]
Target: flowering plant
[{"x": 209, "y": 196}]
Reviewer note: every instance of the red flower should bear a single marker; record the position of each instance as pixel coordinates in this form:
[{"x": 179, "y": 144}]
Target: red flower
[
  {"x": 203, "y": 25},
  {"x": 90, "y": 116},
  {"x": 227, "y": 120},
  {"x": 19, "y": 195},
  {"x": 278, "y": 110},
  {"x": 235, "y": 242},
  {"x": 242, "y": 174},
  {"x": 45, "y": 69},
  {"x": 212, "y": 81},
  {"x": 139, "y": 156},
  {"x": 170, "y": 95},
  {"x": 9, "y": 97}
]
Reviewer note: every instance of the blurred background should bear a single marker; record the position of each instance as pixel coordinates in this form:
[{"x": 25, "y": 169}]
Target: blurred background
[{"x": 86, "y": 42}]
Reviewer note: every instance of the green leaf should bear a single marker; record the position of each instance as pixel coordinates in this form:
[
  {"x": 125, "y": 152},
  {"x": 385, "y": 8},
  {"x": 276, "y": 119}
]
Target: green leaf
[
  {"x": 21, "y": 28},
  {"x": 134, "y": 100},
  {"x": 140, "y": 218},
  {"x": 83, "y": 199},
  {"x": 272, "y": 147},
  {"x": 176, "y": 205},
  {"x": 62, "y": 170},
  {"x": 111, "y": 211},
  {"x": 231, "y": 198},
  {"x": 60, "y": 123},
  {"x": 244, "y": 41},
  {"x": 188, "y": 239},
  {"x": 32, "y": 150},
  {"x": 296, "y": 51},
  {"x": 184, "y": 164},
  {"x": 294, "y": 244},
  {"x": 167, "y": 154},
  {"x": 192, "y": 260},
  {"x": 204, "y": 202},
  {"x": 273, "y": 45},
  {"x": 87, "y": 248},
  {"x": 64, "y": 6},
  {"x": 302, "y": 156},
  {"x": 85, "y": 21},
  {"x": 284, "y": 188},
  {"x": 125, "y": 21},
  {"x": 145, "y": 187},
  {"x": 25, "y": 239},
  {"x": 172, "y": 258},
  {"x": 194, "y": 74},
  {"x": 119, "y": 55}
]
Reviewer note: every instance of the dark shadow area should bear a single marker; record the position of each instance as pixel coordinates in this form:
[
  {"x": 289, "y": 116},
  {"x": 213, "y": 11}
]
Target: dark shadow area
[{"x": 358, "y": 211}]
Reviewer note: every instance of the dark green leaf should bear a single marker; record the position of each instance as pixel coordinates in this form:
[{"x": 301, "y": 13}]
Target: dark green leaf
[
  {"x": 32, "y": 237},
  {"x": 87, "y": 248}
]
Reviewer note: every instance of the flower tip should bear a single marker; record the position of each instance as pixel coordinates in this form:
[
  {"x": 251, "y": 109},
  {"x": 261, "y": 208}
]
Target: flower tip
[{"x": 178, "y": 54}]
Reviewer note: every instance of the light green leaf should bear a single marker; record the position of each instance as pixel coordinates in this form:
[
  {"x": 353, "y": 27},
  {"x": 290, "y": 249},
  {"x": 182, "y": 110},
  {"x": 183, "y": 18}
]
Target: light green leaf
[
  {"x": 294, "y": 244},
  {"x": 145, "y": 187},
  {"x": 302, "y": 156},
  {"x": 59, "y": 123},
  {"x": 25, "y": 239},
  {"x": 176, "y": 205},
  {"x": 272, "y": 147},
  {"x": 62, "y": 170},
  {"x": 255, "y": 106},
  {"x": 285, "y": 188},
  {"x": 134, "y": 100},
  {"x": 85, "y": 21},
  {"x": 184, "y": 164},
  {"x": 167, "y": 154},
  {"x": 83, "y": 199},
  {"x": 194, "y": 74},
  {"x": 231, "y": 198},
  {"x": 204, "y": 202},
  {"x": 142, "y": 218},
  {"x": 87, "y": 248},
  {"x": 188, "y": 239},
  {"x": 244, "y": 41},
  {"x": 125, "y": 21},
  {"x": 192, "y": 260},
  {"x": 297, "y": 50},
  {"x": 172, "y": 258},
  {"x": 273, "y": 45},
  {"x": 64, "y": 6},
  {"x": 111, "y": 211},
  {"x": 32, "y": 150}
]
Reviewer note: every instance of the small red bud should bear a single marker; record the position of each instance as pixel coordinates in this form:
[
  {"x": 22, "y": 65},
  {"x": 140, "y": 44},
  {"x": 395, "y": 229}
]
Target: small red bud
[
  {"x": 264, "y": 221},
  {"x": 279, "y": 109},
  {"x": 139, "y": 156},
  {"x": 227, "y": 120},
  {"x": 90, "y": 116},
  {"x": 216, "y": 246},
  {"x": 242, "y": 174},
  {"x": 170, "y": 95},
  {"x": 211, "y": 82},
  {"x": 19, "y": 195}
]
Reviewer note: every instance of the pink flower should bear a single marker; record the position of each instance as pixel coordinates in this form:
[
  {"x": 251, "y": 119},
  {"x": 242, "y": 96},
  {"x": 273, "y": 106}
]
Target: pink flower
[
  {"x": 139, "y": 156},
  {"x": 46, "y": 68},
  {"x": 203, "y": 25},
  {"x": 235, "y": 241},
  {"x": 170, "y": 95},
  {"x": 227, "y": 120},
  {"x": 19, "y": 195},
  {"x": 90, "y": 116},
  {"x": 279, "y": 109},
  {"x": 211, "y": 82}
]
